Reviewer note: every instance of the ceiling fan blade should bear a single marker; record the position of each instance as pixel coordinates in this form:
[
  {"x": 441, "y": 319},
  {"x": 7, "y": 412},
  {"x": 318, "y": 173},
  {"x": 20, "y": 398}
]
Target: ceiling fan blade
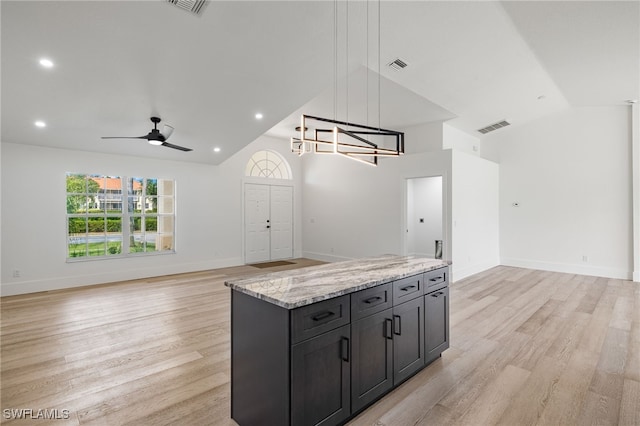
[
  {"x": 124, "y": 137},
  {"x": 181, "y": 148},
  {"x": 166, "y": 131}
]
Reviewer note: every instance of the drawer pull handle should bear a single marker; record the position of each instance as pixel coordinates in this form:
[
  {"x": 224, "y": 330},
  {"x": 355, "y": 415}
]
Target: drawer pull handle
[
  {"x": 323, "y": 315},
  {"x": 437, "y": 294},
  {"x": 407, "y": 288},
  {"x": 372, "y": 299},
  {"x": 388, "y": 328},
  {"x": 436, "y": 279},
  {"x": 344, "y": 349},
  {"x": 397, "y": 325}
]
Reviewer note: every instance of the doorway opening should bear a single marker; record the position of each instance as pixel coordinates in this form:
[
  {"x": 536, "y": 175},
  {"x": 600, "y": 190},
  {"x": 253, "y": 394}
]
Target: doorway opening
[{"x": 424, "y": 221}]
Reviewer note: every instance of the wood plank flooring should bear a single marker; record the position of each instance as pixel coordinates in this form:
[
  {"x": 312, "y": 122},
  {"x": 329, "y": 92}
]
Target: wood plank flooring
[{"x": 527, "y": 347}]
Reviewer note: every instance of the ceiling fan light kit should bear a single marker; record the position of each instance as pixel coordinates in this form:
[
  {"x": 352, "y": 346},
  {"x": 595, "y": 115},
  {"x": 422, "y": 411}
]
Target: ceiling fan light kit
[{"x": 154, "y": 137}]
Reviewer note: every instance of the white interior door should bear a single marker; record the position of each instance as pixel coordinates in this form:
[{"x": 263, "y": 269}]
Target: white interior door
[
  {"x": 256, "y": 223},
  {"x": 268, "y": 219},
  {"x": 281, "y": 222}
]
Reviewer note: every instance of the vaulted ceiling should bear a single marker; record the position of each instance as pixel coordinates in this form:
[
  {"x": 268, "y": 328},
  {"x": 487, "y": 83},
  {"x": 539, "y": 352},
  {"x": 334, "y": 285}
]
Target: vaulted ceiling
[{"x": 117, "y": 63}]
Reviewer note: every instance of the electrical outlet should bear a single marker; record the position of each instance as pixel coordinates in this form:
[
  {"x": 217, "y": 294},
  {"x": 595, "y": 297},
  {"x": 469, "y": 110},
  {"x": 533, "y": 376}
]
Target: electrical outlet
[
  {"x": 16, "y": 273},
  {"x": 585, "y": 258}
]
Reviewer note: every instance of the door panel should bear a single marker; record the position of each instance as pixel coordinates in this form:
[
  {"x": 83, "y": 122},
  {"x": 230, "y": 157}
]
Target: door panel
[
  {"x": 256, "y": 215},
  {"x": 320, "y": 385},
  {"x": 408, "y": 339},
  {"x": 372, "y": 366},
  {"x": 268, "y": 221},
  {"x": 281, "y": 222}
]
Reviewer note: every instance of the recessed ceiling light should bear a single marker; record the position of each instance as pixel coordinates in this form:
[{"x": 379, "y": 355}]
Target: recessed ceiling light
[
  {"x": 259, "y": 116},
  {"x": 542, "y": 97},
  {"x": 632, "y": 101},
  {"x": 216, "y": 149},
  {"x": 47, "y": 63},
  {"x": 40, "y": 124}
]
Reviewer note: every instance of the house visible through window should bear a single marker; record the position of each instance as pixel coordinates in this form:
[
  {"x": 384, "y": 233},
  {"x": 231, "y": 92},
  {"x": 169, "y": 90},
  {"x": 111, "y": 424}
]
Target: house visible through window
[{"x": 111, "y": 216}]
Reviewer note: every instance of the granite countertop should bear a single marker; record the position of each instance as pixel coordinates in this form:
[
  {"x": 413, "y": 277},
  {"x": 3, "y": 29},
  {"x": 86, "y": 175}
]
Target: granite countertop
[{"x": 299, "y": 287}]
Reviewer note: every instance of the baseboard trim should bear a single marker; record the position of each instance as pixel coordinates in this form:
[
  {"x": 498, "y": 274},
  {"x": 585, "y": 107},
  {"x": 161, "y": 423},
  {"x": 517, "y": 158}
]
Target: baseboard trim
[
  {"x": 60, "y": 283},
  {"x": 324, "y": 257},
  {"x": 596, "y": 271},
  {"x": 461, "y": 273}
]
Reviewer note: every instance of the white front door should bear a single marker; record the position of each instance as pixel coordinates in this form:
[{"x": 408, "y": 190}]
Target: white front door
[
  {"x": 268, "y": 221},
  {"x": 281, "y": 222},
  {"x": 256, "y": 223}
]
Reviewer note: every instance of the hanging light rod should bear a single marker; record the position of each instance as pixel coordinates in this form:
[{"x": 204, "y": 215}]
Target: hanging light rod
[
  {"x": 349, "y": 143},
  {"x": 358, "y": 142}
]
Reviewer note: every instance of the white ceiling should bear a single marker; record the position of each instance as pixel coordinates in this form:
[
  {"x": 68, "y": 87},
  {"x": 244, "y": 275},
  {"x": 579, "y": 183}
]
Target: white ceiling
[{"x": 118, "y": 63}]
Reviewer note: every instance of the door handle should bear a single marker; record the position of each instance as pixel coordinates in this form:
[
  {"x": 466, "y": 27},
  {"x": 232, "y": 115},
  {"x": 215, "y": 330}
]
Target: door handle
[
  {"x": 407, "y": 288},
  {"x": 437, "y": 294},
  {"x": 435, "y": 279},
  {"x": 397, "y": 324},
  {"x": 372, "y": 299},
  {"x": 268, "y": 226},
  {"x": 344, "y": 349},
  {"x": 323, "y": 315},
  {"x": 388, "y": 328}
]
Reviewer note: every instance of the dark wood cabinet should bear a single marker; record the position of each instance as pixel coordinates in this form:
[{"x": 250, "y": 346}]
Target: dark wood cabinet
[
  {"x": 322, "y": 363},
  {"x": 436, "y": 311},
  {"x": 408, "y": 339},
  {"x": 320, "y": 382},
  {"x": 372, "y": 362}
]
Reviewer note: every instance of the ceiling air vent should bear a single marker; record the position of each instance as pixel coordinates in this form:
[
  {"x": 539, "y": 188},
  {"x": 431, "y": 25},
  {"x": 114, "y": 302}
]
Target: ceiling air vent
[
  {"x": 398, "y": 64},
  {"x": 495, "y": 126},
  {"x": 194, "y": 6}
]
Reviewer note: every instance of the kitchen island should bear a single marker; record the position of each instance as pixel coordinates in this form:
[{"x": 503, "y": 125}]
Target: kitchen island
[{"x": 317, "y": 345}]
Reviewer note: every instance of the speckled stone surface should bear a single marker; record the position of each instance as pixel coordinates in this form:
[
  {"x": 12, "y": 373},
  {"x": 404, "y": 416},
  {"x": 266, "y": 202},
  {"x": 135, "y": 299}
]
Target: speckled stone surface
[{"x": 304, "y": 286}]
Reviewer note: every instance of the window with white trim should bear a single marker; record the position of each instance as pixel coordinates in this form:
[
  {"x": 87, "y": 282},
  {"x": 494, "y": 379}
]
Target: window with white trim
[
  {"x": 268, "y": 164},
  {"x": 116, "y": 216}
]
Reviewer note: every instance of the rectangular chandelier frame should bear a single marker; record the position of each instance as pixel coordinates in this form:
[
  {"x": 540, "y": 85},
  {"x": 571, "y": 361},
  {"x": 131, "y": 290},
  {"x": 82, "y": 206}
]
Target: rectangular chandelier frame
[{"x": 356, "y": 146}]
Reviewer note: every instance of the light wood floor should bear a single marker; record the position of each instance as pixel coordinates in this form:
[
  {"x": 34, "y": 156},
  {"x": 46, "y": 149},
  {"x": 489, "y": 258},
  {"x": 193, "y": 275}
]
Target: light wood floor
[{"x": 527, "y": 347}]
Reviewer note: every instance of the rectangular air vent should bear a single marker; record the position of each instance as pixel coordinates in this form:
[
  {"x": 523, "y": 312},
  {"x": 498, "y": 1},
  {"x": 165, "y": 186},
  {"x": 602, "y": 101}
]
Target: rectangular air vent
[
  {"x": 495, "y": 126},
  {"x": 398, "y": 64},
  {"x": 194, "y": 6}
]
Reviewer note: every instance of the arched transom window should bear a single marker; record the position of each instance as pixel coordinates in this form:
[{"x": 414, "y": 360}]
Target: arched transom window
[{"x": 268, "y": 164}]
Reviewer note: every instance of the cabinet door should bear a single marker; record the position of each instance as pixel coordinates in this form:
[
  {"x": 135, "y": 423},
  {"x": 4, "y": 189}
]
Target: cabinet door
[
  {"x": 372, "y": 366},
  {"x": 436, "y": 307},
  {"x": 408, "y": 339},
  {"x": 320, "y": 387}
]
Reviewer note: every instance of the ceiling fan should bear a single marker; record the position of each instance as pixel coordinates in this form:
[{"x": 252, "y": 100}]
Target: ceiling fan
[{"x": 154, "y": 137}]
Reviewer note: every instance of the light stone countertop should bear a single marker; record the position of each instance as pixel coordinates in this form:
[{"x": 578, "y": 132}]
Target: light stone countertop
[{"x": 299, "y": 287}]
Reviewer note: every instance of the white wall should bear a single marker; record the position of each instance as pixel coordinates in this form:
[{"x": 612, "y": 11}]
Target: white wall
[
  {"x": 351, "y": 210},
  {"x": 475, "y": 220},
  {"x": 424, "y": 201},
  {"x": 208, "y": 216},
  {"x": 571, "y": 175},
  {"x": 453, "y": 138},
  {"x": 423, "y": 138}
]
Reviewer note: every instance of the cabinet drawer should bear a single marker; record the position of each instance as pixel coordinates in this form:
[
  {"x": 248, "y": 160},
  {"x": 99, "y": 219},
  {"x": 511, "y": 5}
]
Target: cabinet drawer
[
  {"x": 407, "y": 288},
  {"x": 438, "y": 278},
  {"x": 369, "y": 301},
  {"x": 312, "y": 320}
]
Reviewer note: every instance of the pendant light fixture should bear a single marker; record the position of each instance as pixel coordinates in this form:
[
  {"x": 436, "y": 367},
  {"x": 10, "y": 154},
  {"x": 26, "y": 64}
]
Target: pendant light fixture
[{"x": 363, "y": 143}]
